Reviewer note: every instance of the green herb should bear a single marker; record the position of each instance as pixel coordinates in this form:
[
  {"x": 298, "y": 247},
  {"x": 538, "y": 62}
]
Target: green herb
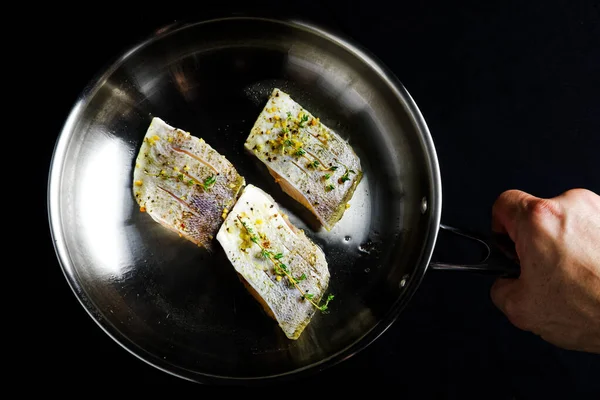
[
  {"x": 302, "y": 121},
  {"x": 316, "y": 163},
  {"x": 246, "y": 227},
  {"x": 285, "y": 130},
  {"x": 333, "y": 168},
  {"x": 254, "y": 239},
  {"x": 301, "y": 278},
  {"x": 300, "y": 152},
  {"x": 329, "y": 188},
  {"x": 345, "y": 177},
  {"x": 180, "y": 177},
  {"x": 281, "y": 269},
  {"x": 278, "y": 256},
  {"x": 308, "y": 295},
  {"x": 325, "y": 307},
  {"x": 288, "y": 143},
  {"x": 289, "y": 114},
  {"x": 190, "y": 182},
  {"x": 208, "y": 182},
  {"x": 327, "y": 176},
  {"x": 266, "y": 253}
]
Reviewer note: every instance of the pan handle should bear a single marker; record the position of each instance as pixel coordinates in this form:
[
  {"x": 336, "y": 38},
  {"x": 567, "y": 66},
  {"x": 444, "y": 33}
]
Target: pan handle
[{"x": 501, "y": 258}]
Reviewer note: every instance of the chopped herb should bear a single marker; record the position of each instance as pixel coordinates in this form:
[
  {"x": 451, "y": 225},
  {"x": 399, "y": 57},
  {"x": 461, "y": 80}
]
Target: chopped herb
[
  {"x": 316, "y": 163},
  {"x": 333, "y": 168},
  {"x": 302, "y": 121},
  {"x": 308, "y": 295},
  {"x": 329, "y": 188},
  {"x": 301, "y": 278},
  {"x": 289, "y": 114},
  {"x": 345, "y": 177},
  {"x": 254, "y": 239},
  {"x": 283, "y": 266},
  {"x": 327, "y": 176},
  {"x": 190, "y": 182},
  {"x": 300, "y": 152},
  {"x": 208, "y": 182},
  {"x": 278, "y": 256},
  {"x": 288, "y": 143},
  {"x": 285, "y": 130},
  {"x": 180, "y": 177}
]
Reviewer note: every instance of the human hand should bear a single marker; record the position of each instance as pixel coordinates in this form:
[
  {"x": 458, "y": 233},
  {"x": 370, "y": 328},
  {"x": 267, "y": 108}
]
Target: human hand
[{"x": 557, "y": 295}]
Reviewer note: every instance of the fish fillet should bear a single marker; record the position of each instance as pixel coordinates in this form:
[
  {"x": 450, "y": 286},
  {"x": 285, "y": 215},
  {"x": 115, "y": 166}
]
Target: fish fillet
[
  {"x": 310, "y": 162},
  {"x": 183, "y": 183},
  {"x": 282, "y": 268}
]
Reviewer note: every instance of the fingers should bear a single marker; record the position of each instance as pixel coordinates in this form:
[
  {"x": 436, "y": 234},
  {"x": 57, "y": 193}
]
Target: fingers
[
  {"x": 508, "y": 209},
  {"x": 506, "y": 296},
  {"x": 500, "y": 292}
]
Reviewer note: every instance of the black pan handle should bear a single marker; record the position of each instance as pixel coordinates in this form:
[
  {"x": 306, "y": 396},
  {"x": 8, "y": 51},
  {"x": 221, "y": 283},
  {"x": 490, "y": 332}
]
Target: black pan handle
[{"x": 501, "y": 259}]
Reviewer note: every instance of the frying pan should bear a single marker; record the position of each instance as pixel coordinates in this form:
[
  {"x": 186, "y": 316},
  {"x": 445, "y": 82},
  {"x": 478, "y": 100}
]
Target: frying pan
[{"x": 181, "y": 308}]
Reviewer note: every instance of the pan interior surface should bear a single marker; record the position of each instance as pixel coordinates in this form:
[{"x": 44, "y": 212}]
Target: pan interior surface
[{"x": 183, "y": 309}]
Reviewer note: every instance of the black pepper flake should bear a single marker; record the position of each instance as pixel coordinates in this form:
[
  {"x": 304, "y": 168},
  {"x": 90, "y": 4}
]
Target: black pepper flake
[
  {"x": 316, "y": 203},
  {"x": 271, "y": 206},
  {"x": 277, "y": 94},
  {"x": 269, "y": 159},
  {"x": 251, "y": 209},
  {"x": 308, "y": 191},
  {"x": 274, "y": 158}
]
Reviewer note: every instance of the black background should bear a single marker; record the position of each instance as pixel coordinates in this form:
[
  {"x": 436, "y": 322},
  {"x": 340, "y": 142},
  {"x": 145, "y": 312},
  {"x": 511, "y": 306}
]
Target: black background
[{"x": 510, "y": 92}]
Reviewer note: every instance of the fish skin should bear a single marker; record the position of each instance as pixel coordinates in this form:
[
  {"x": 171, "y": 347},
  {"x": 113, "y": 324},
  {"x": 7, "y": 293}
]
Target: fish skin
[
  {"x": 301, "y": 256},
  {"x": 170, "y": 169},
  {"x": 325, "y": 198}
]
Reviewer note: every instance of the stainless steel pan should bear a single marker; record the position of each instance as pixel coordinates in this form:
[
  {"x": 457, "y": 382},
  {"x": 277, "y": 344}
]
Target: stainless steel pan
[{"x": 184, "y": 310}]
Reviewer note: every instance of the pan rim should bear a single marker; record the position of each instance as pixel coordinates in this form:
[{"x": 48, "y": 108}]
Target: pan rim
[{"x": 434, "y": 205}]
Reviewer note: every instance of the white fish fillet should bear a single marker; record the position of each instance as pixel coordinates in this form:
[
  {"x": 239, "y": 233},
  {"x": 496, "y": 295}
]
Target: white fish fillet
[
  {"x": 183, "y": 183},
  {"x": 310, "y": 162},
  {"x": 259, "y": 262}
]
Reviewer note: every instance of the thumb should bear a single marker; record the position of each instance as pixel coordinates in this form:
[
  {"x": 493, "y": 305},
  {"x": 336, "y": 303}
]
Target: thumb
[{"x": 508, "y": 209}]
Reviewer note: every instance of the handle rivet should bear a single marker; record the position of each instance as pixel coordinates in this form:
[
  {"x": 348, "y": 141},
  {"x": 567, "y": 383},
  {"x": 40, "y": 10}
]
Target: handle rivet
[
  {"x": 423, "y": 205},
  {"x": 403, "y": 281}
]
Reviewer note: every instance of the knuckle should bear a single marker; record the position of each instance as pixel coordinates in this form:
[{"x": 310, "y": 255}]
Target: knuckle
[
  {"x": 509, "y": 195},
  {"x": 540, "y": 209},
  {"x": 579, "y": 193}
]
